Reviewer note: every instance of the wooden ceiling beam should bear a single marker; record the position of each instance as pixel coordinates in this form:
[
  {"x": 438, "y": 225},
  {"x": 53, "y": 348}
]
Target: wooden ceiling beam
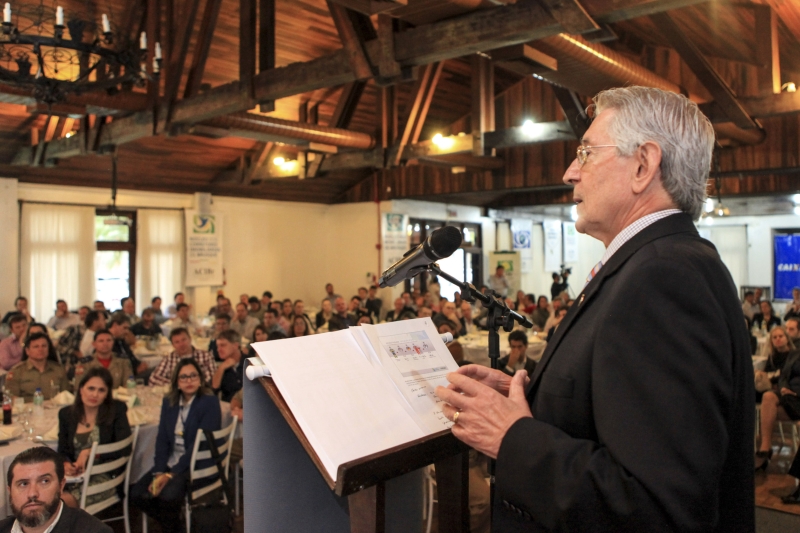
[
  {"x": 767, "y": 49},
  {"x": 342, "y": 115},
  {"x": 372, "y": 7},
  {"x": 573, "y": 109},
  {"x": 422, "y": 91},
  {"x": 180, "y": 49},
  {"x": 701, "y": 68},
  {"x": 97, "y": 100},
  {"x": 247, "y": 45},
  {"x": 352, "y": 40},
  {"x": 266, "y": 44},
  {"x": 482, "y": 93},
  {"x": 154, "y": 36},
  {"x": 200, "y": 55},
  {"x": 571, "y": 15},
  {"x": 465, "y": 160}
]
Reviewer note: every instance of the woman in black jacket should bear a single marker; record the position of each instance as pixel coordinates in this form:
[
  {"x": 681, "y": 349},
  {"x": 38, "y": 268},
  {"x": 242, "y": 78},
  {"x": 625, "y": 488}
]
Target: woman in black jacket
[{"x": 94, "y": 417}]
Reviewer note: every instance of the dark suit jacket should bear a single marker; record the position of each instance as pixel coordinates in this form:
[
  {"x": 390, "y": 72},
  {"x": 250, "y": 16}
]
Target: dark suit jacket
[
  {"x": 204, "y": 414},
  {"x": 642, "y": 403},
  {"x": 114, "y": 432},
  {"x": 71, "y": 521}
]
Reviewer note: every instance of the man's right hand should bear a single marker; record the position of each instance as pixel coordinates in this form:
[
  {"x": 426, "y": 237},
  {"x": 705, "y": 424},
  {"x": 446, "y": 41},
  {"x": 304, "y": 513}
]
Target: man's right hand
[{"x": 494, "y": 379}]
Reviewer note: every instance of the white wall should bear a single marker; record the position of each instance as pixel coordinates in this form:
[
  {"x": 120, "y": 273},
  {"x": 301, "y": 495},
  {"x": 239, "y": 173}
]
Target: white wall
[{"x": 292, "y": 249}]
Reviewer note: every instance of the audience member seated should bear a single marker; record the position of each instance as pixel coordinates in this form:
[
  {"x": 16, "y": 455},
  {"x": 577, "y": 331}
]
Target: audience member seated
[
  {"x": 541, "y": 313},
  {"x": 221, "y": 323},
  {"x": 254, "y": 309},
  {"x": 189, "y": 406},
  {"x": 37, "y": 474},
  {"x": 793, "y": 308},
  {"x": 20, "y": 307},
  {"x": 147, "y": 327},
  {"x": 519, "y": 303},
  {"x": 300, "y": 310},
  {"x": 276, "y": 336},
  {"x": 424, "y": 312},
  {"x": 355, "y": 307},
  {"x": 260, "y": 335},
  {"x": 266, "y": 299},
  {"x": 560, "y": 314},
  {"x": 553, "y": 319},
  {"x": 766, "y": 319},
  {"x": 776, "y": 350},
  {"x": 219, "y": 308},
  {"x": 364, "y": 319},
  {"x": 783, "y": 404},
  {"x": 792, "y": 328},
  {"x": 172, "y": 310},
  {"x": 516, "y": 358},
  {"x": 271, "y": 322},
  {"x": 300, "y": 328},
  {"x": 35, "y": 327},
  {"x": 341, "y": 319},
  {"x": 242, "y": 323},
  {"x": 95, "y": 321},
  {"x": 155, "y": 305},
  {"x": 120, "y": 369},
  {"x": 63, "y": 318},
  {"x": 120, "y": 329},
  {"x": 129, "y": 308},
  {"x": 373, "y": 303},
  {"x": 323, "y": 316},
  {"x": 330, "y": 295},
  {"x": 182, "y": 349},
  {"x": 94, "y": 417},
  {"x": 37, "y": 370},
  {"x": 69, "y": 345},
  {"x": 468, "y": 327},
  {"x": 455, "y": 348},
  {"x": 183, "y": 320},
  {"x": 400, "y": 310},
  {"x": 749, "y": 306},
  {"x": 449, "y": 314},
  {"x": 287, "y": 309},
  {"x": 11, "y": 346},
  {"x": 237, "y": 410},
  {"x": 229, "y": 374}
]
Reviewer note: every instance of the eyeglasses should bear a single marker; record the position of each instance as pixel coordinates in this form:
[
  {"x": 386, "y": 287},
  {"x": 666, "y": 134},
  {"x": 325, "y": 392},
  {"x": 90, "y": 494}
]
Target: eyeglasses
[
  {"x": 584, "y": 151},
  {"x": 188, "y": 377}
]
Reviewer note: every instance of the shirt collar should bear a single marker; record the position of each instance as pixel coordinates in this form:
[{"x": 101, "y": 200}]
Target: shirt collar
[
  {"x": 632, "y": 229},
  {"x": 17, "y": 528}
]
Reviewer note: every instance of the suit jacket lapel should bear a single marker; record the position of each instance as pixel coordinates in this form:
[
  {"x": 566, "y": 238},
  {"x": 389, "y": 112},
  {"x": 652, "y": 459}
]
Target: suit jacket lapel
[{"x": 678, "y": 223}]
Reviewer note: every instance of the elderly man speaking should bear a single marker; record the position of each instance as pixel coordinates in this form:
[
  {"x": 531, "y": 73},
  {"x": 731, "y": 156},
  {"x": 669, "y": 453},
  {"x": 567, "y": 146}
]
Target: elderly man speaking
[{"x": 639, "y": 416}]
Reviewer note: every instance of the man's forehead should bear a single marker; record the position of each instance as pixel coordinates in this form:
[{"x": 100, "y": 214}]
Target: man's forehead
[{"x": 34, "y": 470}]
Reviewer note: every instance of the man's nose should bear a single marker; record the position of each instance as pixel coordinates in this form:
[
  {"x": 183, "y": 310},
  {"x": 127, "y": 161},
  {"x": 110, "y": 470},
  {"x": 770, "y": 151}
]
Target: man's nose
[{"x": 573, "y": 173}]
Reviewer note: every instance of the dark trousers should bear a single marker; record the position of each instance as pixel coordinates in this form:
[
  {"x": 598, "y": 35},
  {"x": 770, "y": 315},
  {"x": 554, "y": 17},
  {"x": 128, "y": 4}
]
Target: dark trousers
[
  {"x": 794, "y": 470},
  {"x": 167, "y": 506}
]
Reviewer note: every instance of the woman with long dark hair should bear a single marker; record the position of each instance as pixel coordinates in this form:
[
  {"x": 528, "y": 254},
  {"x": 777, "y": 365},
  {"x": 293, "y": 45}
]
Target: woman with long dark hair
[
  {"x": 190, "y": 405},
  {"x": 300, "y": 327},
  {"x": 94, "y": 417}
]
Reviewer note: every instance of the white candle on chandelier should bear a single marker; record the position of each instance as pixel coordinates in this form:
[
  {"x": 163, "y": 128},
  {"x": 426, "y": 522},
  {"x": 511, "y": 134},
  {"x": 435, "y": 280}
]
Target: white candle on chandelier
[
  {"x": 7, "y": 13},
  {"x": 158, "y": 51},
  {"x": 156, "y": 68},
  {"x": 143, "y": 41},
  {"x": 59, "y": 16},
  {"x": 106, "y": 24}
]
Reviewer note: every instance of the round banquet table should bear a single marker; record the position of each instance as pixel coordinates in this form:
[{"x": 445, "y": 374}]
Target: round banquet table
[
  {"x": 476, "y": 347},
  {"x": 143, "y": 456}
]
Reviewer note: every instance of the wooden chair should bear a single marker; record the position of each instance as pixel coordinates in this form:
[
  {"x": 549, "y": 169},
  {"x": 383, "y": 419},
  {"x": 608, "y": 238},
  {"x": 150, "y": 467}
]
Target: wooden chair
[
  {"x": 93, "y": 469},
  {"x": 195, "y": 475}
]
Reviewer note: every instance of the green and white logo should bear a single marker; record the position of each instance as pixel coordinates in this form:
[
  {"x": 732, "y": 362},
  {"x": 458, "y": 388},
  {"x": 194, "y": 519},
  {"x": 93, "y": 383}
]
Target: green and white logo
[{"x": 204, "y": 224}]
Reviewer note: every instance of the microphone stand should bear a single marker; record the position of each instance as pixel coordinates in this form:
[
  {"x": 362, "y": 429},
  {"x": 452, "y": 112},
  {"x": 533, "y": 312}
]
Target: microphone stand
[{"x": 499, "y": 316}]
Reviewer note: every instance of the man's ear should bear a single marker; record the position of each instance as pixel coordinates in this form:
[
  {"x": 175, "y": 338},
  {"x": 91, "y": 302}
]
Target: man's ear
[{"x": 648, "y": 159}]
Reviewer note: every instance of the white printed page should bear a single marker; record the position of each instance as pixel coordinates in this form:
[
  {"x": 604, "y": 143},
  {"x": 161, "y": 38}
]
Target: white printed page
[
  {"x": 417, "y": 361},
  {"x": 338, "y": 397}
]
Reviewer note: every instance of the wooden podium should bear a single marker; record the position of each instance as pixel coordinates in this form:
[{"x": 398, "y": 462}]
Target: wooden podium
[{"x": 287, "y": 488}]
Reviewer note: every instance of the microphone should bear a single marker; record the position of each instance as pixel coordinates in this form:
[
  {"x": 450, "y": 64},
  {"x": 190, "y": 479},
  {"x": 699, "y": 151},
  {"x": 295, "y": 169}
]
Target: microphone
[{"x": 440, "y": 244}]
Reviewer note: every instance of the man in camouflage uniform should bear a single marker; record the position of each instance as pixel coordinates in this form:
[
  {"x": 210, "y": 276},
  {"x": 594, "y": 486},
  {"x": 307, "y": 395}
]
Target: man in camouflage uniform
[{"x": 36, "y": 371}]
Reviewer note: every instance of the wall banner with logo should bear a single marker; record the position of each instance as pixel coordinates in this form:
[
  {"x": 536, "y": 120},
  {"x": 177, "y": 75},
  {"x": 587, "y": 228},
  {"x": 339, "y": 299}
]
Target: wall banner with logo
[
  {"x": 203, "y": 249},
  {"x": 787, "y": 264},
  {"x": 395, "y": 238},
  {"x": 570, "y": 242},
  {"x": 521, "y": 231},
  {"x": 552, "y": 245}
]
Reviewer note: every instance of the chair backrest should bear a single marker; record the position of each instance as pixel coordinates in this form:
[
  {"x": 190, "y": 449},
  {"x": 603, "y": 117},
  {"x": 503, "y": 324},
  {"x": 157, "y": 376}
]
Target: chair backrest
[
  {"x": 226, "y": 433},
  {"x": 93, "y": 469}
]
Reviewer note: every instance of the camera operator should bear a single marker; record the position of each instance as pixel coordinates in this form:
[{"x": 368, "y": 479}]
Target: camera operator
[{"x": 555, "y": 288}]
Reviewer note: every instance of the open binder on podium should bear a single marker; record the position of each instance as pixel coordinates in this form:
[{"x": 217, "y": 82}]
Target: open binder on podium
[{"x": 361, "y": 403}]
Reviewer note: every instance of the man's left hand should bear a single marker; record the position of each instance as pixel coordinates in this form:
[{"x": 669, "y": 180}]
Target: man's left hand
[{"x": 485, "y": 415}]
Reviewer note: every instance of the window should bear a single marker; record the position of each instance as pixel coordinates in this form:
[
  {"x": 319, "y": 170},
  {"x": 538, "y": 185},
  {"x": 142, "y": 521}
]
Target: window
[
  {"x": 115, "y": 258},
  {"x": 464, "y": 264}
]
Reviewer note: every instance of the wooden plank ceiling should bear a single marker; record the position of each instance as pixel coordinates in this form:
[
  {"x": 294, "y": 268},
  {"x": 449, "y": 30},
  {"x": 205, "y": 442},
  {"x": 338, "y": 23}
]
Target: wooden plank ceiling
[{"x": 181, "y": 157}]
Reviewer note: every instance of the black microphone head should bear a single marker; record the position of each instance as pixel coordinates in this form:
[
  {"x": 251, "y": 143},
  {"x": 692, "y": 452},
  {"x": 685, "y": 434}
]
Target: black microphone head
[{"x": 444, "y": 241}]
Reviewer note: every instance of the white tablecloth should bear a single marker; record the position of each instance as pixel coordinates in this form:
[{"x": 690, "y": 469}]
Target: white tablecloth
[
  {"x": 143, "y": 455},
  {"x": 476, "y": 347}
]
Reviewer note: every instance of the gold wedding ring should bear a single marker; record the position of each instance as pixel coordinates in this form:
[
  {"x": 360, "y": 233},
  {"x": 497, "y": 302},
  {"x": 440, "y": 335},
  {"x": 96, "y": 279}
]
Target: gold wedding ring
[{"x": 455, "y": 417}]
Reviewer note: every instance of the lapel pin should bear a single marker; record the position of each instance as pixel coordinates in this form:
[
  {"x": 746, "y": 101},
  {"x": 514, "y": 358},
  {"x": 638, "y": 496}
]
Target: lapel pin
[{"x": 582, "y": 297}]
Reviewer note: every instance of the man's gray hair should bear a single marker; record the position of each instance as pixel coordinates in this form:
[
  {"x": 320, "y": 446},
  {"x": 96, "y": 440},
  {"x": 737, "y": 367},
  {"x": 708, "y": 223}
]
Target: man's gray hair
[{"x": 677, "y": 125}]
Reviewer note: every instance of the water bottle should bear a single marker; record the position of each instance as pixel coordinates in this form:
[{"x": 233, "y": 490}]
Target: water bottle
[
  {"x": 7, "y": 405},
  {"x": 131, "y": 385},
  {"x": 38, "y": 402}
]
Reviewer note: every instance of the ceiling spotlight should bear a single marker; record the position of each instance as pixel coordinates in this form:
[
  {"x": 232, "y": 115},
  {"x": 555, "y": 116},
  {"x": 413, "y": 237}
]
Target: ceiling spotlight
[
  {"x": 789, "y": 87},
  {"x": 531, "y": 128},
  {"x": 442, "y": 142},
  {"x": 722, "y": 211},
  {"x": 278, "y": 161}
]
